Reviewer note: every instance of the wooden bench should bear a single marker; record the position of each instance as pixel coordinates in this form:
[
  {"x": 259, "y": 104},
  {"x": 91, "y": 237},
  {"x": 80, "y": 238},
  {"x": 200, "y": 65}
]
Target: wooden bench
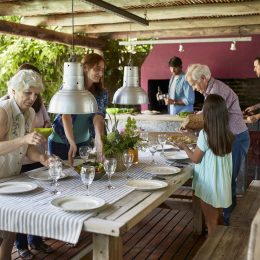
[
  {"x": 243, "y": 214},
  {"x": 225, "y": 243}
]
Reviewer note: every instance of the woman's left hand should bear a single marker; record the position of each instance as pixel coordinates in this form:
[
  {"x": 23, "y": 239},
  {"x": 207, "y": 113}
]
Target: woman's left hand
[
  {"x": 44, "y": 159},
  {"x": 99, "y": 149}
]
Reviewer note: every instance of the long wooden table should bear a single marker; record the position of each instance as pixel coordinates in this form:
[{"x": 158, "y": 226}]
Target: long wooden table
[{"x": 108, "y": 224}]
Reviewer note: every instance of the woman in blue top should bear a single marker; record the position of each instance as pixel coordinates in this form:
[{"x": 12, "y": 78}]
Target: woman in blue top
[
  {"x": 212, "y": 155},
  {"x": 73, "y": 131}
]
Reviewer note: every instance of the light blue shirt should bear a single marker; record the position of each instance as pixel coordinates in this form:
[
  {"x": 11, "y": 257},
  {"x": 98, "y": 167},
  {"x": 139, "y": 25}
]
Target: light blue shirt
[{"x": 182, "y": 91}]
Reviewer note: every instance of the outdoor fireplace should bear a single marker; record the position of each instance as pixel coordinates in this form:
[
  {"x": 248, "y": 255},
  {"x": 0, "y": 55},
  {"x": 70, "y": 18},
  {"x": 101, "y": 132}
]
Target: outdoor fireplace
[{"x": 248, "y": 91}]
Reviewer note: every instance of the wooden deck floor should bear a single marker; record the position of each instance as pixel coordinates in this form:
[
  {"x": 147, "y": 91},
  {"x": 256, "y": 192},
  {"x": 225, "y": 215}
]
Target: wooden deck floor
[{"x": 163, "y": 234}]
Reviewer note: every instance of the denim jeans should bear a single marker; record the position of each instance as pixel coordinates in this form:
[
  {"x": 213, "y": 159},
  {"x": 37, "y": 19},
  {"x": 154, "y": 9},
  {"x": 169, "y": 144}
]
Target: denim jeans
[
  {"x": 22, "y": 241},
  {"x": 239, "y": 151}
]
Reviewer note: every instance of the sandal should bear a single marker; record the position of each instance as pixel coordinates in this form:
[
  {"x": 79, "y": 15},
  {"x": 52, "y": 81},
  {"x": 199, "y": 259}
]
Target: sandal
[{"x": 25, "y": 254}]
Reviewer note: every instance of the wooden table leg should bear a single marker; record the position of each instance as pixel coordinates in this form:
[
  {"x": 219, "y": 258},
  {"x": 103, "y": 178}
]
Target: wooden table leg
[
  {"x": 107, "y": 247},
  {"x": 198, "y": 220}
]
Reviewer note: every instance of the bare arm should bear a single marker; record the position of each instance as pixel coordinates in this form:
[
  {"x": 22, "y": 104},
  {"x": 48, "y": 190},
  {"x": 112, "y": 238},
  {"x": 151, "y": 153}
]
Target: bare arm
[
  {"x": 34, "y": 155},
  {"x": 33, "y": 138},
  {"x": 252, "y": 108},
  {"x": 195, "y": 156},
  {"x": 68, "y": 129},
  {"x": 99, "y": 126}
]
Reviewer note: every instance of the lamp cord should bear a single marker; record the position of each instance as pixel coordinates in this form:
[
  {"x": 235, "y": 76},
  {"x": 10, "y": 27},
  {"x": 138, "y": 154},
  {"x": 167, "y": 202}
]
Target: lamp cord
[{"x": 72, "y": 12}]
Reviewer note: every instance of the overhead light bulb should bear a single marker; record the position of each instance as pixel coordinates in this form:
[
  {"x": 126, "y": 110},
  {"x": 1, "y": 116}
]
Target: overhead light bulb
[
  {"x": 233, "y": 46},
  {"x": 181, "y": 49}
]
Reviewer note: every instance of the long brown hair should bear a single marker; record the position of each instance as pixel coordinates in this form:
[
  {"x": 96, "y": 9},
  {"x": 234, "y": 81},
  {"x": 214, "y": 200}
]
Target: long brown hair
[
  {"x": 215, "y": 115},
  {"x": 89, "y": 61}
]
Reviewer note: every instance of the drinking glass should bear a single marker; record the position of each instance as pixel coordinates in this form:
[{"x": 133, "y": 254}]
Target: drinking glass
[
  {"x": 84, "y": 152},
  {"x": 144, "y": 142},
  {"x": 87, "y": 174},
  {"x": 110, "y": 167},
  {"x": 55, "y": 171},
  {"x": 162, "y": 139},
  {"x": 128, "y": 159},
  {"x": 153, "y": 149}
]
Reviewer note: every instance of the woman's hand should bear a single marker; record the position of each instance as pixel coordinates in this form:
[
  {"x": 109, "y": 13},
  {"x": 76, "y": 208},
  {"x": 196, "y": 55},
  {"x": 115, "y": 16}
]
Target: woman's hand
[
  {"x": 72, "y": 153},
  {"x": 252, "y": 119},
  {"x": 44, "y": 159},
  {"x": 34, "y": 138},
  {"x": 181, "y": 145}
]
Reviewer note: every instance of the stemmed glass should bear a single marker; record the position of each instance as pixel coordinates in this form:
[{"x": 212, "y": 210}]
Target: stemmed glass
[
  {"x": 153, "y": 149},
  {"x": 84, "y": 152},
  {"x": 110, "y": 167},
  {"x": 162, "y": 139},
  {"x": 87, "y": 174},
  {"x": 144, "y": 142},
  {"x": 128, "y": 159},
  {"x": 55, "y": 171}
]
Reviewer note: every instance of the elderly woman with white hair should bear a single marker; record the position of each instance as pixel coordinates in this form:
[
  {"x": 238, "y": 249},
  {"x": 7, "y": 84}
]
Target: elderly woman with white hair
[
  {"x": 199, "y": 77},
  {"x": 17, "y": 138}
]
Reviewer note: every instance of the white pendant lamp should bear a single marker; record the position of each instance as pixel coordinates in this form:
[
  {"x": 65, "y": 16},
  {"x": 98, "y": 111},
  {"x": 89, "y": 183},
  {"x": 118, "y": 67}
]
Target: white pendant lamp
[
  {"x": 130, "y": 93},
  {"x": 72, "y": 97}
]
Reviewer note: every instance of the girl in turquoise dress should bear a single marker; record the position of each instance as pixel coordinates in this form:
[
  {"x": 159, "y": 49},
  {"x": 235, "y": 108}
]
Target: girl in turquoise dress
[{"x": 213, "y": 161}]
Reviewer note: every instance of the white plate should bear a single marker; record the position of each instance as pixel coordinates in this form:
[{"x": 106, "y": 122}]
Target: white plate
[
  {"x": 166, "y": 147},
  {"x": 17, "y": 187},
  {"x": 76, "y": 162},
  {"x": 44, "y": 175},
  {"x": 162, "y": 170},
  {"x": 78, "y": 203},
  {"x": 176, "y": 155},
  {"x": 146, "y": 185}
]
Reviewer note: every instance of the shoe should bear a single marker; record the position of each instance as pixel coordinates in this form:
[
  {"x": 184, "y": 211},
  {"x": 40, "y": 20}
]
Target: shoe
[
  {"x": 42, "y": 247},
  {"x": 25, "y": 254}
]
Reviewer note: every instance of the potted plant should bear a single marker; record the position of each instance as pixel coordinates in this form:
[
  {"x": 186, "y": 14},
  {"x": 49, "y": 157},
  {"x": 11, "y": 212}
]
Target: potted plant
[{"x": 116, "y": 142}]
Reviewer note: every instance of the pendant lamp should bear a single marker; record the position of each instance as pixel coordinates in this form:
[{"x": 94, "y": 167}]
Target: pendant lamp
[
  {"x": 72, "y": 97},
  {"x": 130, "y": 93}
]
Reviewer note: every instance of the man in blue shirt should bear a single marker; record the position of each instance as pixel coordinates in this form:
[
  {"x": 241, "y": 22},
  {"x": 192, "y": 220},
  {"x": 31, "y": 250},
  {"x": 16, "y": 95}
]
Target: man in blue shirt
[{"x": 180, "y": 94}]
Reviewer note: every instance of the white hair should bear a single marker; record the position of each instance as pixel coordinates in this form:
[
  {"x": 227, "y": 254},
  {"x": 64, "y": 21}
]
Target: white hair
[
  {"x": 23, "y": 80},
  {"x": 196, "y": 71}
]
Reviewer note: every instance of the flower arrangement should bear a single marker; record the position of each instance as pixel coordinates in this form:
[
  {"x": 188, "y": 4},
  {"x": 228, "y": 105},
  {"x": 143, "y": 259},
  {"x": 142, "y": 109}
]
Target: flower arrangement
[{"x": 116, "y": 142}]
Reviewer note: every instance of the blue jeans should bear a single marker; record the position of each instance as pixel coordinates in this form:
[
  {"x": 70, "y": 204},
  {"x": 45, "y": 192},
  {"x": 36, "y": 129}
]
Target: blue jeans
[
  {"x": 239, "y": 151},
  {"x": 61, "y": 149},
  {"x": 22, "y": 241}
]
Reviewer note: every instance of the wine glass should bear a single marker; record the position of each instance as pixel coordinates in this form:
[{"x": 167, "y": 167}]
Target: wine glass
[
  {"x": 87, "y": 174},
  {"x": 55, "y": 171},
  {"x": 144, "y": 142},
  {"x": 153, "y": 149},
  {"x": 84, "y": 152},
  {"x": 128, "y": 159},
  {"x": 110, "y": 167},
  {"x": 162, "y": 139}
]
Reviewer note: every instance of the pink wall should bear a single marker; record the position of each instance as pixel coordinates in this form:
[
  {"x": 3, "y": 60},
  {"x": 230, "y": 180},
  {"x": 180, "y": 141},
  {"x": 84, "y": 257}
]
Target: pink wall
[{"x": 222, "y": 62}]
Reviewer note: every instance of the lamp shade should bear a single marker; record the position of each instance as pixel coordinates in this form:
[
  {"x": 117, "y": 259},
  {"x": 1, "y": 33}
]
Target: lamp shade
[
  {"x": 72, "y": 98},
  {"x": 130, "y": 93}
]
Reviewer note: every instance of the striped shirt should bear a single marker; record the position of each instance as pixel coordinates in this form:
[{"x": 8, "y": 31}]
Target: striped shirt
[{"x": 236, "y": 121}]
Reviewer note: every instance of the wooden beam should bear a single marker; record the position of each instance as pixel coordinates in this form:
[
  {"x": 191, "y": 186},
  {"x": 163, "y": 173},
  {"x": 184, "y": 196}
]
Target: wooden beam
[
  {"x": 47, "y": 7},
  {"x": 195, "y": 32},
  {"x": 174, "y": 24},
  {"x": 49, "y": 35},
  {"x": 156, "y": 13}
]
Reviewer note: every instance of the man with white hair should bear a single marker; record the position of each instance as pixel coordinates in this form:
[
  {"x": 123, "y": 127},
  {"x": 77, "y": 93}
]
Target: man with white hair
[
  {"x": 17, "y": 138},
  {"x": 199, "y": 77},
  {"x": 254, "y": 118}
]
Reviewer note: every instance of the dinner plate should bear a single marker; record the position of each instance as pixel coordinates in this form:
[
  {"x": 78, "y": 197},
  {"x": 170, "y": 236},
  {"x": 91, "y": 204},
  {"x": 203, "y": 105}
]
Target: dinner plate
[
  {"x": 162, "y": 170},
  {"x": 78, "y": 203},
  {"x": 150, "y": 112},
  {"x": 176, "y": 155},
  {"x": 166, "y": 147},
  {"x": 146, "y": 185},
  {"x": 44, "y": 175},
  {"x": 17, "y": 187}
]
